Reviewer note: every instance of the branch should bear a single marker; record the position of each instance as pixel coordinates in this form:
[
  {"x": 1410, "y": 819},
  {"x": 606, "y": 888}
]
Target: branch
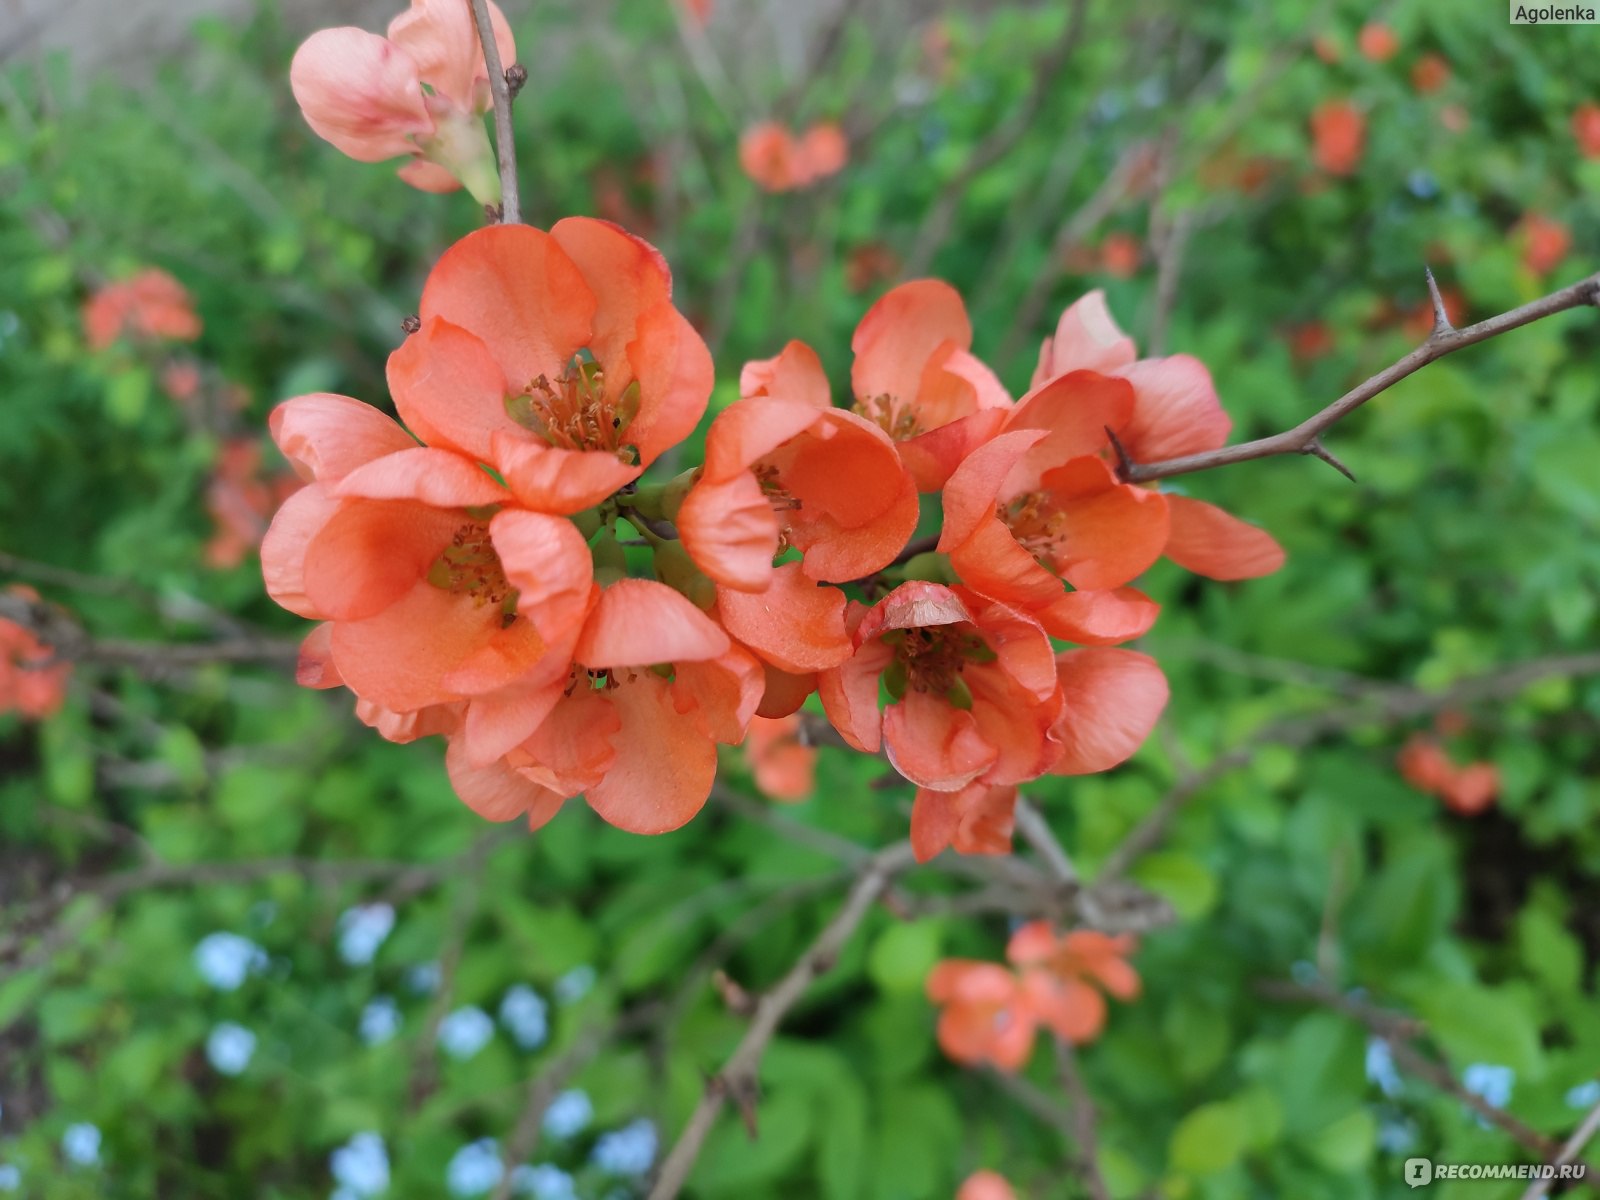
[
  {"x": 1569, "y": 1152},
  {"x": 737, "y": 1079},
  {"x": 1397, "y": 1031},
  {"x": 504, "y": 139},
  {"x": 1306, "y": 437},
  {"x": 1082, "y": 1116},
  {"x": 1386, "y": 707},
  {"x": 1036, "y": 831}
]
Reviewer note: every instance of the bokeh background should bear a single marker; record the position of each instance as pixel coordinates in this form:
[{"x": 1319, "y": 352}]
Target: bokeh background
[{"x": 249, "y": 949}]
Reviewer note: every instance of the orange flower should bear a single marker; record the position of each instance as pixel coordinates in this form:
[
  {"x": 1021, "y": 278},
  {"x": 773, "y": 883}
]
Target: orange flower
[
  {"x": 986, "y": 1015},
  {"x": 785, "y": 468},
  {"x": 1586, "y": 129},
  {"x": 778, "y": 161},
  {"x": 971, "y": 684},
  {"x": 1544, "y": 243},
  {"x": 986, "y": 1185},
  {"x": 1311, "y": 341},
  {"x": 1430, "y": 73},
  {"x": 784, "y": 766},
  {"x": 555, "y": 358},
  {"x": 654, "y": 685},
  {"x": 1326, "y": 47},
  {"x": 1472, "y": 789},
  {"x": 796, "y": 625},
  {"x": 30, "y": 682},
  {"x": 421, "y": 92},
  {"x": 1467, "y": 790},
  {"x": 150, "y": 304},
  {"x": 241, "y": 502},
  {"x": 1058, "y": 974},
  {"x": 1110, "y": 701},
  {"x": 1378, "y": 42},
  {"x": 869, "y": 264},
  {"x": 1338, "y": 134},
  {"x": 977, "y": 819},
  {"x": 1174, "y": 412},
  {"x": 438, "y": 589},
  {"x": 1120, "y": 254}
]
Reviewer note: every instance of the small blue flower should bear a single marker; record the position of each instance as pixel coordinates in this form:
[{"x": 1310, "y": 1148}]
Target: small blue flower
[
  {"x": 630, "y": 1150},
  {"x": 543, "y": 1182},
  {"x": 574, "y": 985},
  {"x": 380, "y": 1020},
  {"x": 1491, "y": 1082},
  {"x": 224, "y": 960},
  {"x": 81, "y": 1144},
  {"x": 1422, "y": 185},
  {"x": 1396, "y": 1136},
  {"x": 230, "y": 1048},
  {"x": 361, "y": 1166},
  {"x": 569, "y": 1114},
  {"x": 475, "y": 1168},
  {"x": 362, "y": 930},
  {"x": 466, "y": 1031},
  {"x": 524, "y": 1013},
  {"x": 10, "y": 1178},
  {"x": 1585, "y": 1095},
  {"x": 1380, "y": 1067},
  {"x": 423, "y": 979}
]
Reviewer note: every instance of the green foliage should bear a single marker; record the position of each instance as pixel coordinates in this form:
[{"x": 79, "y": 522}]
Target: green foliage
[{"x": 1469, "y": 542}]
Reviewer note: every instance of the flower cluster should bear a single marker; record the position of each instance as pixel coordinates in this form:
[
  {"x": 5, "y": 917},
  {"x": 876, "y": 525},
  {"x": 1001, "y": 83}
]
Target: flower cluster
[
  {"x": 778, "y": 160},
  {"x": 32, "y": 681},
  {"x": 1426, "y": 766},
  {"x": 148, "y": 306},
  {"x": 992, "y": 1013},
  {"x": 518, "y": 585}
]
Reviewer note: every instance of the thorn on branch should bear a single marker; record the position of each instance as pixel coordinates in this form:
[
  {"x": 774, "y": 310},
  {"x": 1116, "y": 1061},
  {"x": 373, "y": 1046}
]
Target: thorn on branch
[
  {"x": 1125, "y": 463},
  {"x": 411, "y": 324},
  {"x": 516, "y": 79},
  {"x": 1317, "y": 450},
  {"x": 1441, "y": 317},
  {"x": 743, "y": 1092},
  {"x": 493, "y": 214},
  {"x": 737, "y": 998}
]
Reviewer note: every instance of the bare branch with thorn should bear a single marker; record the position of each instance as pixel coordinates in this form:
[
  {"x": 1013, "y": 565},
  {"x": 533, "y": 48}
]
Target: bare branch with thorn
[
  {"x": 1306, "y": 437},
  {"x": 500, "y": 87}
]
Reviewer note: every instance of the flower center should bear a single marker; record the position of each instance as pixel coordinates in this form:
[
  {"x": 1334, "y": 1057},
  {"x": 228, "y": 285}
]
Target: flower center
[
  {"x": 782, "y": 500},
  {"x": 931, "y": 659},
  {"x": 575, "y": 411},
  {"x": 896, "y": 417},
  {"x": 470, "y": 567},
  {"x": 1038, "y": 525}
]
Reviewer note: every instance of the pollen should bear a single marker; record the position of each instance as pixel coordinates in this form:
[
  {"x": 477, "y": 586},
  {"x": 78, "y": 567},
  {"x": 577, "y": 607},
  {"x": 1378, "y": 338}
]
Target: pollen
[
  {"x": 469, "y": 566},
  {"x": 932, "y": 659},
  {"x": 577, "y": 411},
  {"x": 893, "y": 415},
  {"x": 1038, "y": 525}
]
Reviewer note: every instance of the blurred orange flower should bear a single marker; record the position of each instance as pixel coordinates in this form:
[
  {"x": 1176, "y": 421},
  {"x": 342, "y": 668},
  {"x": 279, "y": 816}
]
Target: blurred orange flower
[
  {"x": 1338, "y": 134},
  {"x": 150, "y": 305},
  {"x": 784, "y": 766},
  {"x": 1467, "y": 790},
  {"x": 1430, "y": 73},
  {"x": 1586, "y": 128},
  {"x": 986, "y": 1185},
  {"x": 1545, "y": 242},
  {"x": 30, "y": 683},
  {"x": 1120, "y": 255},
  {"x": 778, "y": 161},
  {"x": 1378, "y": 42}
]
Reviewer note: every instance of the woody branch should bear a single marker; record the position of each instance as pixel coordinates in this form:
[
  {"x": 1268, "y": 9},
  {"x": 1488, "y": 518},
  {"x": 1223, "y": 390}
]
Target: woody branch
[
  {"x": 500, "y": 87},
  {"x": 1306, "y": 437}
]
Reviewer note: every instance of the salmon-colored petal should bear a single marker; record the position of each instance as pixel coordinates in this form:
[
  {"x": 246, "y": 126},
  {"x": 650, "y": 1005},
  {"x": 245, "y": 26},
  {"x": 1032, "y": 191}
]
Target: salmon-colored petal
[
  {"x": 1075, "y": 409},
  {"x": 1015, "y": 725},
  {"x": 1208, "y": 541},
  {"x": 849, "y": 695},
  {"x": 572, "y": 748},
  {"x": 401, "y": 658},
  {"x": 917, "y": 604},
  {"x": 501, "y": 719},
  {"x": 553, "y": 479},
  {"x": 360, "y": 92},
  {"x": 980, "y": 481},
  {"x": 548, "y": 561},
  {"x": 428, "y": 176},
  {"x": 1175, "y": 410},
  {"x": 1100, "y": 618},
  {"x": 988, "y": 819},
  {"x": 934, "y": 821},
  {"x": 675, "y": 373},
  {"x": 838, "y": 553},
  {"x": 787, "y": 772},
  {"x": 443, "y": 40},
  {"x": 986, "y": 387},
  {"x": 796, "y": 374},
  {"x": 1069, "y": 1007},
  {"x": 314, "y": 668},
  {"x": 325, "y": 437},
  {"x": 796, "y": 624},
  {"x": 449, "y": 390},
  {"x": 665, "y": 762},
  {"x": 434, "y": 720},
  {"x": 985, "y": 1185},
  {"x": 1110, "y": 701},
  {"x": 1021, "y": 647},
  {"x": 498, "y": 792},
  {"x": 726, "y": 690},
  {"x": 370, "y": 553},
  {"x": 730, "y": 531},
  {"x": 508, "y": 654},
  {"x": 437, "y": 478},
  {"x": 825, "y": 149},
  {"x": 283, "y": 550},
  {"x": 933, "y": 743},
  {"x": 1087, "y": 338},
  {"x": 748, "y": 430},
  {"x": 932, "y": 457},
  {"x": 514, "y": 287},
  {"x": 784, "y": 692},
  {"x": 1034, "y": 942},
  {"x": 969, "y": 982},
  {"x": 901, "y": 332},
  {"x": 639, "y": 623},
  {"x": 1113, "y": 531},
  {"x": 992, "y": 562}
]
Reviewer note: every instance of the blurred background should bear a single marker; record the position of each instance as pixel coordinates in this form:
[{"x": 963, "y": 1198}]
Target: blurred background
[{"x": 249, "y": 949}]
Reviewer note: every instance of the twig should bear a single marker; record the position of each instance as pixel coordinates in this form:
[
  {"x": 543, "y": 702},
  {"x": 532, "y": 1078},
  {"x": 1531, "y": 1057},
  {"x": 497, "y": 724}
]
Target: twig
[
  {"x": 1306, "y": 437},
  {"x": 737, "y": 1079},
  {"x": 1036, "y": 831},
  {"x": 1570, "y": 1150},
  {"x": 1397, "y": 1031},
  {"x": 505, "y": 144},
  {"x": 1082, "y": 1115},
  {"x": 1385, "y": 707}
]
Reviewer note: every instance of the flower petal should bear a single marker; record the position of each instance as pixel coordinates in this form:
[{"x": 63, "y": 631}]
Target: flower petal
[
  {"x": 439, "y": 479},
  {"x": 1100, "y": 618},
  {"x": 1110, "y": 701},
  {"x": 442, "y": 39},
  {"x": 326, "y": 437},
  {"x": 665, "y": 762},
  {"x": 283, "y": 550},
  {"x": 449, "y": 390},
  {"x": 1087, "y": 338},
  {"x": 796, "y": 374},
  {"x": 548, "y": 561},
  {"x": 1114, "y": 531},
  {"x": 553, "y": 479},
  {"x": 933, "y": 743},
  {"x": 1211, "y": 542},
  {"x": 796, "y": 625},
  {"x": 1175, "y": 410},
  {"x": 901, "y": 332},
  {"x": 640, "y": 623},
  {"x": 499, "y": 792},
  {"x": 360, "y": 92},
  {"x": 730, "y": 531},
  {"x": 370, "y": 553}
]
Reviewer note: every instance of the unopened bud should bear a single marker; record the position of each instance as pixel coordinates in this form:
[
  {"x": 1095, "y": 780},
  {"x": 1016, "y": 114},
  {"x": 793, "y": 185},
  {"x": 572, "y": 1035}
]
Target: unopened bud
[
  {"x": 516, "y": 76},
  {"x": 411, "y": 324}
]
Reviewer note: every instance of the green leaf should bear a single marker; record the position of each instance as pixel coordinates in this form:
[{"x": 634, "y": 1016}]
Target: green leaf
[
  {"x": 903, "y": 954},
  {"x": 1209, "y": 1139}
]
